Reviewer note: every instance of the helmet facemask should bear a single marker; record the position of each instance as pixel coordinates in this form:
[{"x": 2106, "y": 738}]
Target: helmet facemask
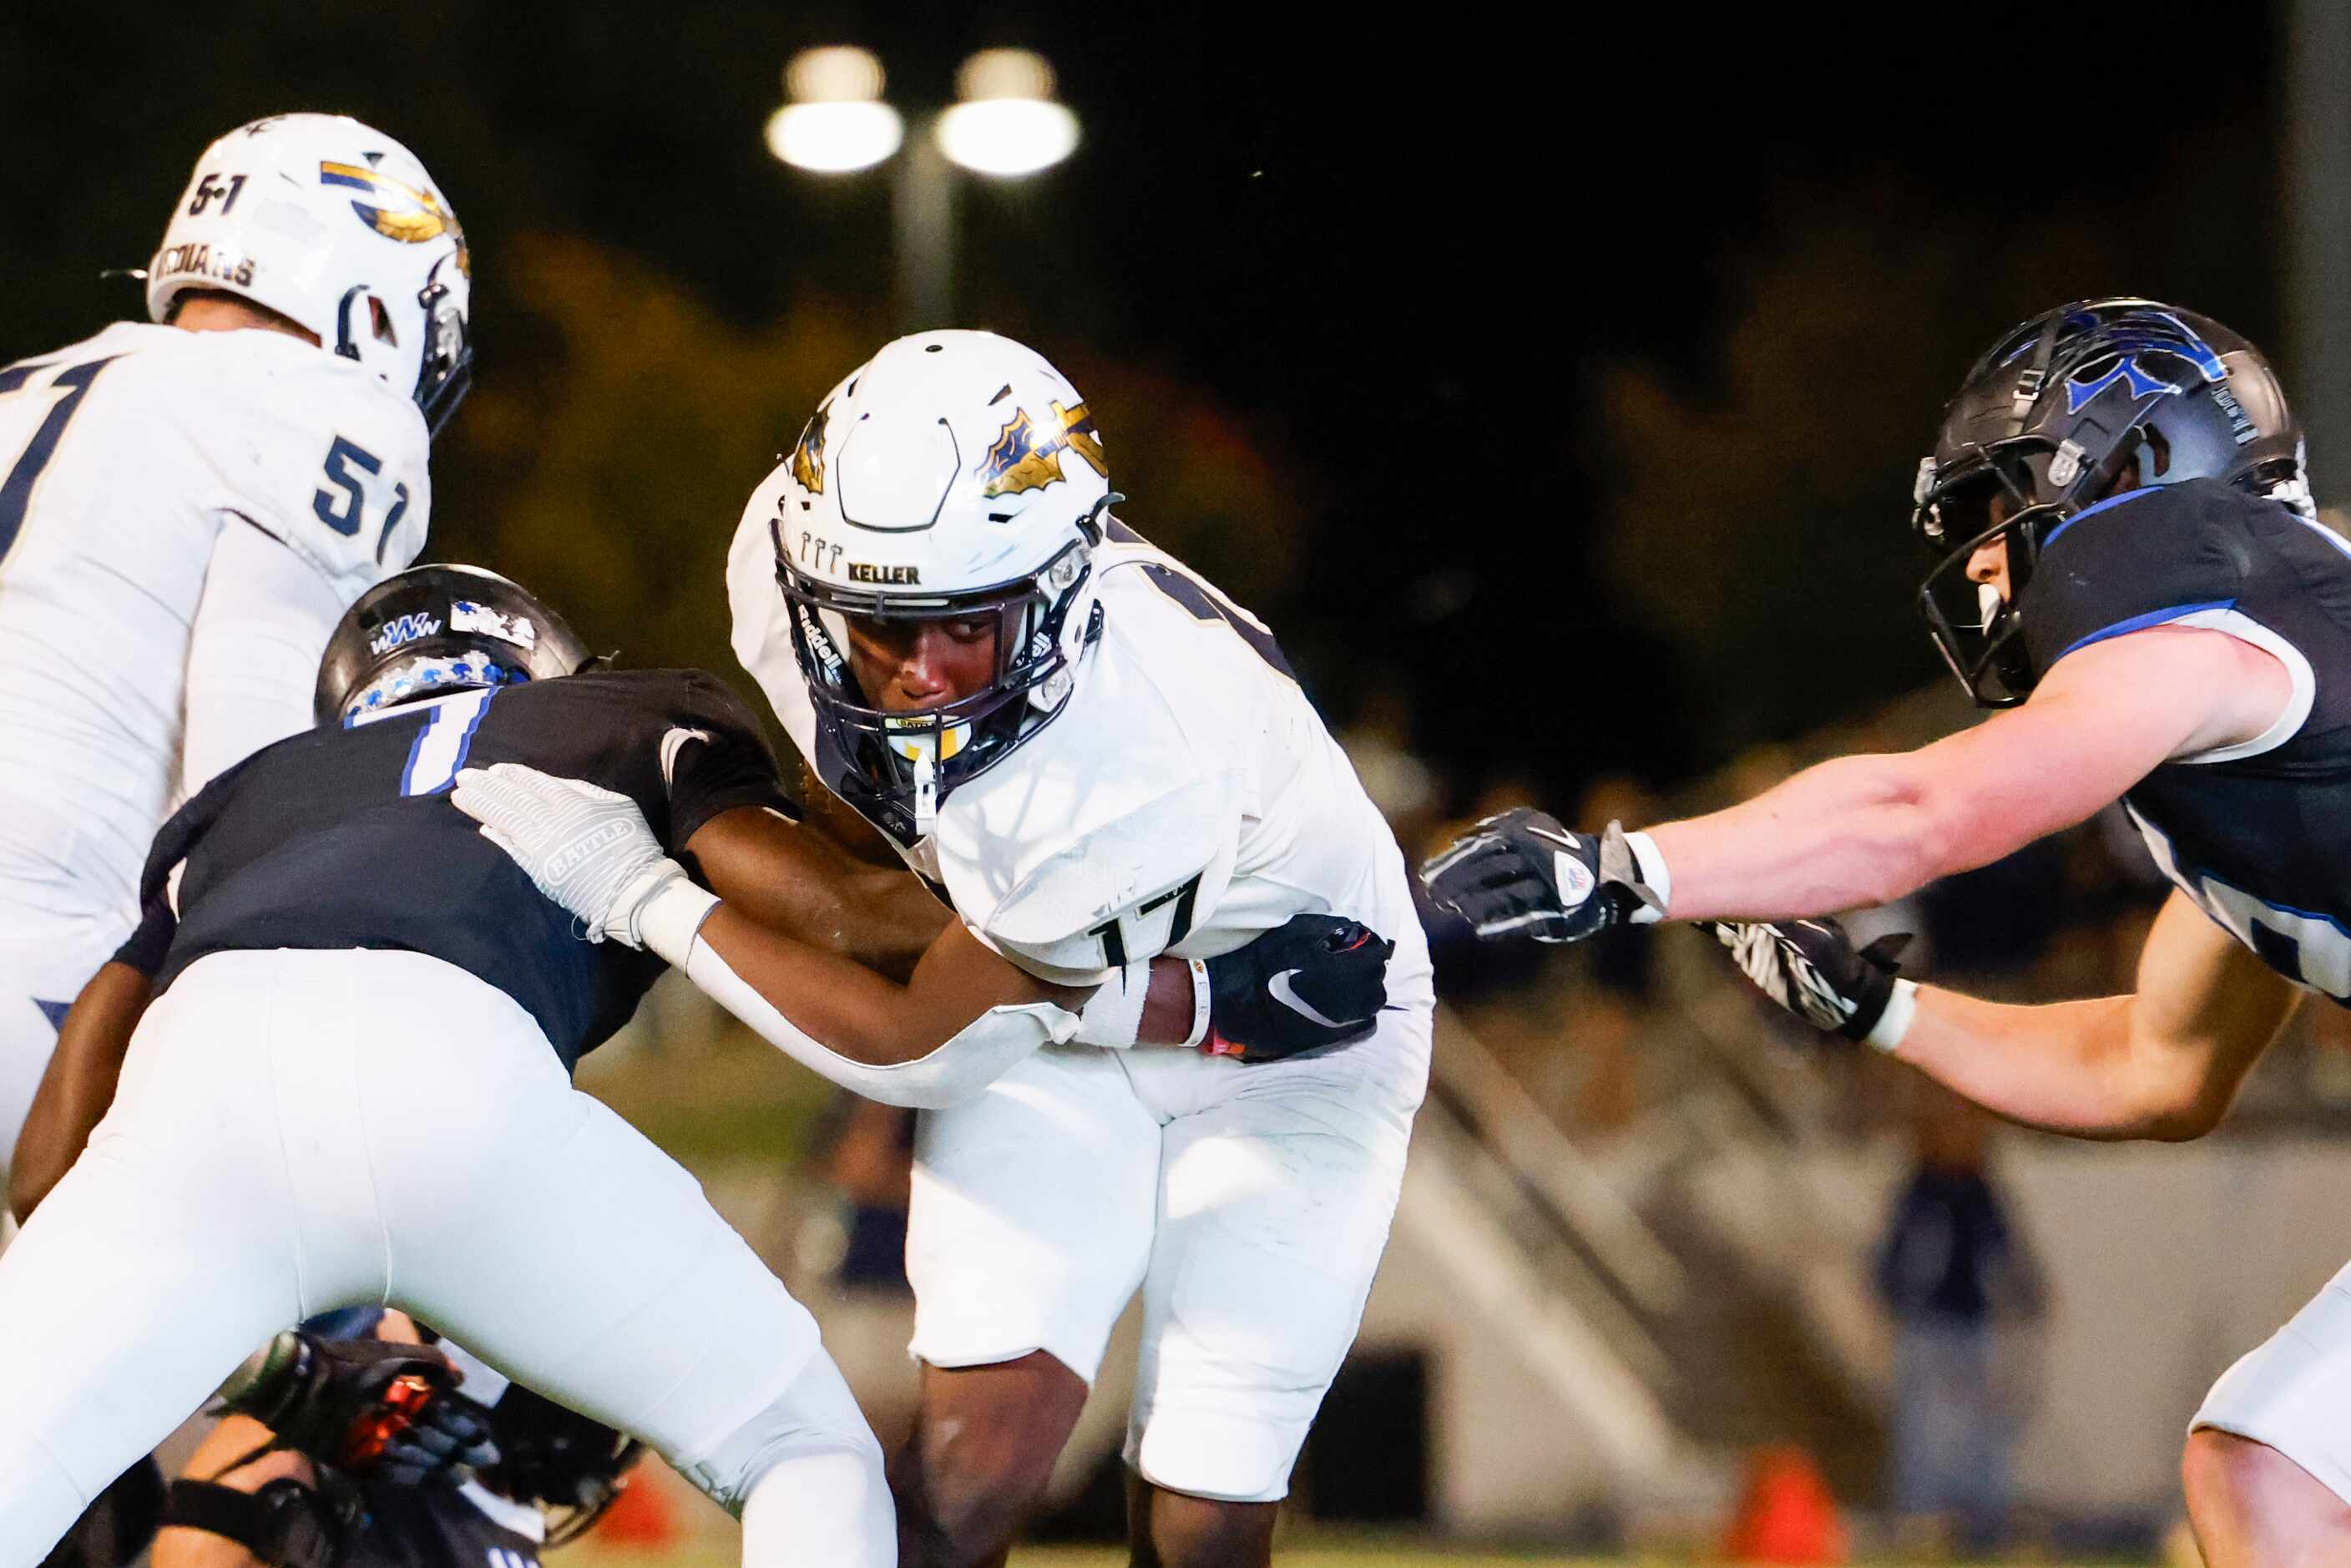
[
  {"x": 447, "y": 372},
  {"x": 1984, "y": 498},
  {"x": 907, "y": 762}
]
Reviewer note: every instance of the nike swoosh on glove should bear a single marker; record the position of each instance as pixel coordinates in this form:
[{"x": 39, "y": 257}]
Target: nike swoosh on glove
[
  {"x": 586, "y": 848},
  {"x": 1315, "y": 980}
]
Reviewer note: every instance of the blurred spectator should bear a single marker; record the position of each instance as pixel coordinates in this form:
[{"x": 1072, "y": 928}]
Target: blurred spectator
[{"x": 1952, "y": 1270}]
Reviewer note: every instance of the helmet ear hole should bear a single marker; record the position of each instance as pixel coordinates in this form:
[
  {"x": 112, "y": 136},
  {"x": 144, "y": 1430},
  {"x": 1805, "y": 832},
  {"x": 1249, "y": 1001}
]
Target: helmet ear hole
[
  {"x": 381, "y": 319},
  {"x": 2158, "y": 454}
]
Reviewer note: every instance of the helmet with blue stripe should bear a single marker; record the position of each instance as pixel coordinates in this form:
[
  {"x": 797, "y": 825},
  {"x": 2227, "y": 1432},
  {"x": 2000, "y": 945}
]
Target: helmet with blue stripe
[{"x": 2063, "y": 409}]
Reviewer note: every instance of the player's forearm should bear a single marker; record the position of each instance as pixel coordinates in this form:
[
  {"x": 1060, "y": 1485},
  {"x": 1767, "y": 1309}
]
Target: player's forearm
[
  {"x": 927, "y": 1044},
  {"x": 1845, "y": 834},
  {"x": 865, "y": 1015},
  {"x": 961, "y": 1021},
  {"x": 236, "y": 1437},
  {"x": 78, "y": 1085},
  {"x": 802, "y": 883},
  {"x": 2072, "y": 1068}
]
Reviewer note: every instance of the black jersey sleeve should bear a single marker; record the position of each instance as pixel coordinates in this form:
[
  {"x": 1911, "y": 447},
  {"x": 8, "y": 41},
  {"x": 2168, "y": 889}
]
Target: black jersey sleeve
[
  {"x": 159, "y": 917},
  {"x": 148, "y": 945},
  {"x": 2142, "y": 558},
  {"x": 714, "y": 759}
]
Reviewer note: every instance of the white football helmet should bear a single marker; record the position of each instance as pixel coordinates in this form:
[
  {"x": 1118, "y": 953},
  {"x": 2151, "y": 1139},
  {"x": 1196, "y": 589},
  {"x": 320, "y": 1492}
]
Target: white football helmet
[
  {"x": 338, "y": 227},
  {"x": 953, "y": 476}
]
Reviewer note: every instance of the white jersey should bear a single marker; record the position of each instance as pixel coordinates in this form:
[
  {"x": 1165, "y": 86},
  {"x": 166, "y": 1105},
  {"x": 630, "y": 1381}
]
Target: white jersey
[
  {"x": 167, "y": 496},
  {"x": 1186, "y": 799}
]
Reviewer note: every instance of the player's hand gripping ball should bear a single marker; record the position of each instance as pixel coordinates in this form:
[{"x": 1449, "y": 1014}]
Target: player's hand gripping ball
[
  {"x": 1316, "y": 980},
  {"x": 1812, "y": 968},
  {"x": 1522, "y": 875},
  {"x": 584, "y": 847}
]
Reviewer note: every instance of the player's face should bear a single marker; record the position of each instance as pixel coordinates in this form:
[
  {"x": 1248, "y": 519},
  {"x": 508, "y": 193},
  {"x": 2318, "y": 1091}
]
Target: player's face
[
  {"x": 907, "y": 666},
  {"x": 1989, "y": 564}
]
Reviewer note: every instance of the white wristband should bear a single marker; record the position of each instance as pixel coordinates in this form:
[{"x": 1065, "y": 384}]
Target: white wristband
[
  {"x": 1901, "y": 1009},
  {"x": 1654, "y": 873},
  {"x": 1112, "y": 1017},
  {"x": 669, "y": 920},
  {"x": 1200, "y": 999}
]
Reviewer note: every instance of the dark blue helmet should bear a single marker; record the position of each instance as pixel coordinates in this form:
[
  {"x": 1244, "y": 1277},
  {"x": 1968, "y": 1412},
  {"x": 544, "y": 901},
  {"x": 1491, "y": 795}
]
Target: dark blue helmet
[
  {"x": 2048, "y": 421},
  {"x": 437, "y": 629}
]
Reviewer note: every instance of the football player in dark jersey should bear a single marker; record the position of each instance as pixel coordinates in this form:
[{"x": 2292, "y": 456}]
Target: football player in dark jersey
[
  {"x": 2129, "y": 567},
  {"x": 351, "y": 1086}
]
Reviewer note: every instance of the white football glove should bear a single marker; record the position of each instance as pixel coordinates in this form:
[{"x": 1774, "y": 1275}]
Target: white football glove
[{"x": 586, "y": 848}]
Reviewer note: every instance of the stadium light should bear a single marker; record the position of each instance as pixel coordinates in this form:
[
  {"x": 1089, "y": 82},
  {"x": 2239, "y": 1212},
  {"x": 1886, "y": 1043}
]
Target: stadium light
[
  {"x": 1007, "y": 122},
  {"x": 834, "y": 121}
]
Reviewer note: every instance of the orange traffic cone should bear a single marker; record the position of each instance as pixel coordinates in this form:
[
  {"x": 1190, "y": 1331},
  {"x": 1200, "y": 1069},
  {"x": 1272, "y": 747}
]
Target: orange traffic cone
[
  {"x": 644, "y": 1514},
  {"x": 1786, "y": 1513}
]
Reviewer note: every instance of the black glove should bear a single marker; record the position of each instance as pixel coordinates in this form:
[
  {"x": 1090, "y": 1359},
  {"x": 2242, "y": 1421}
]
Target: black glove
[
  {"x": 1812, "y": 968},
  {"x": 1522, "y": 875},
  {"x": 1317, "y": 980},
  {"x": 378, "y": 1411}
]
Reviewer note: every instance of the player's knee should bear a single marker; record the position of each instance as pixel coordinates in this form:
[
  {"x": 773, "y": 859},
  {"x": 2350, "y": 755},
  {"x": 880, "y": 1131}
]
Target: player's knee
[
  {"x": 2250, "y": 1504},
  {"x": 1207, "y": 1533},
  {"x": 2205, "y": 1466},
  {"x": 983, "y": 1451},
  {"x": 814, "y": 1418},
  {"x": 966, "y": 1499}
]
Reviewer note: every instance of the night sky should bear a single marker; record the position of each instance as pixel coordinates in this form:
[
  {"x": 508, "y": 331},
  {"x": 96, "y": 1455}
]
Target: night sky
[{"x": 1579, "y": 365}]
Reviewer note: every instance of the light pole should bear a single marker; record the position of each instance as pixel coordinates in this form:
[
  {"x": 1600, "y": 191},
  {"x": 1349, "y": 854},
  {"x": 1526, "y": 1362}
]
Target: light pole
[{"x": 1005, "y": 124}]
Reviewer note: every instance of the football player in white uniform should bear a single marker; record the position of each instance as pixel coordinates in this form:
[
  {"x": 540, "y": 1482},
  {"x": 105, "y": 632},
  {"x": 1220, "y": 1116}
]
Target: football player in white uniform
[
  {"x": 187, "y": 508},
  {"x": 1099, "y": 758}
]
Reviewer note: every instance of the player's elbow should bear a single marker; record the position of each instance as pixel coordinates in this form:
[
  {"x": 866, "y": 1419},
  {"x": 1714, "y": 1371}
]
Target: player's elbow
[
  {"x": 2183, "y": 1122},
  {"x": 2179, "y": 1104}
]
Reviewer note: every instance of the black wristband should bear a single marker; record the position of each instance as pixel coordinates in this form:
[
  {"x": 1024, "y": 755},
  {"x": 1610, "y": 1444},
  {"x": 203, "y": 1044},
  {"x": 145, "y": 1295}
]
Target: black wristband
[{"x": 286, "y": 1524}]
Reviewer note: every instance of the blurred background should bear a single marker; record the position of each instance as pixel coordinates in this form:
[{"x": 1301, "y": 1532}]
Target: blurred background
[{"x": 1553, "y": 385}]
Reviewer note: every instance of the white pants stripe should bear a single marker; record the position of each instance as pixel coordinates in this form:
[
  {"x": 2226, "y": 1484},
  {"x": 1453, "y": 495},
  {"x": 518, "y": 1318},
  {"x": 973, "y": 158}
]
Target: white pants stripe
[{"x": 299, "y": 1130}]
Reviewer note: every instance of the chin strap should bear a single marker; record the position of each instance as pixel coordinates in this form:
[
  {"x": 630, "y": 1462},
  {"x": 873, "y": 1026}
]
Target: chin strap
[{"x": 926, "y": 795}]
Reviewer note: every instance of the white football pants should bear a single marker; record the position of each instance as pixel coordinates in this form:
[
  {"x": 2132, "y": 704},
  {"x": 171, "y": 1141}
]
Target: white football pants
[{"x": 300, "y": 1131}]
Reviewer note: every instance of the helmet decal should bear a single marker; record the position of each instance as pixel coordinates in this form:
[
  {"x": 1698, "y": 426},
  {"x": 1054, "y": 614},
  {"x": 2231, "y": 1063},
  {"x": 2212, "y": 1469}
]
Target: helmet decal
[
  {"x": 401, "y": 631},
  {"x": 403, "y": 213},
  {"x": 1019, "y": 461},
  {"x": 808, "y": 457},
  {"x": 1079, "y": 434},
  {"x": 2080, "y": 391},
  {"x": 464, "y": 615}
]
